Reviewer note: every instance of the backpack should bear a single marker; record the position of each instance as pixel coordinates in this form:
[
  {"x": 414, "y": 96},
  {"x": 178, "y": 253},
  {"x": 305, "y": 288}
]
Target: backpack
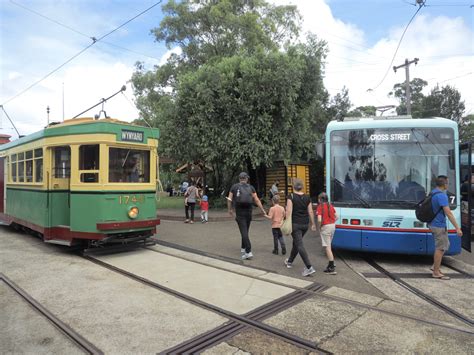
[
  {"x": 244, "y": 194},
  {"x": 424, "y": 209}
]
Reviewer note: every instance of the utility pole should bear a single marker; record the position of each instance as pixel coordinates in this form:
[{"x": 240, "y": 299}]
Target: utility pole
[{"x": 407, "y": 80}]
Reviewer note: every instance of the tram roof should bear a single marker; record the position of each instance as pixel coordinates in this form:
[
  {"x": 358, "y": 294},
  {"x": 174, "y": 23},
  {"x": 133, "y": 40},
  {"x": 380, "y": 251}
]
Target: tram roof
[
  {"x": 389, "y": 121},
  {"x": 84, "y": 125}
]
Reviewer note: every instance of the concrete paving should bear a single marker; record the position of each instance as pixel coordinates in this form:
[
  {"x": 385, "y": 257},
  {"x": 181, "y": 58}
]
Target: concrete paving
[
  {"x": 119, "y": 315},
  {"x": 341, "y": 328},
  {"x": 24, "y": 330},
  {"x": 232, "y": 267},
  {"x": 114, "y": 313},
  {"x": 230, "y": 291},
  {"x": 222, "y": 239}
]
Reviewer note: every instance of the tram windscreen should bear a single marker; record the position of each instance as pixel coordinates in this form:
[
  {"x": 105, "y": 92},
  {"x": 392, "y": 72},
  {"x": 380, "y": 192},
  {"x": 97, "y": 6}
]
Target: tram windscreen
[
  {"x": 129, "y": 165},
  {"x": 390, "y": 168}
]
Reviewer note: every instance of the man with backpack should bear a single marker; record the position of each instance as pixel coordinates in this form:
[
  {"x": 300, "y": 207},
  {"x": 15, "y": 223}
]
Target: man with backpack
[
  {"x": 240, "y": 199},
  {"x": 438, "y": 226}
]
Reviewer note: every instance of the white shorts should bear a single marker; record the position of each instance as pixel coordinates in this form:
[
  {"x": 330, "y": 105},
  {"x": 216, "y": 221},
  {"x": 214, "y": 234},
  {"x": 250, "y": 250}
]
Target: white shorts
[{"x": 327, "y": 233}]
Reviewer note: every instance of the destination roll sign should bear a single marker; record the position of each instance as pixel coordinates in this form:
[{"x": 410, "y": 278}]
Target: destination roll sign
[
  {"x": 390, "y": 137},
  {"x": 132, "y": 136}
]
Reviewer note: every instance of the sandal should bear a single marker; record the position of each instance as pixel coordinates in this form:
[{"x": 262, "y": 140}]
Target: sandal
[{"x": 442, "y": 277}]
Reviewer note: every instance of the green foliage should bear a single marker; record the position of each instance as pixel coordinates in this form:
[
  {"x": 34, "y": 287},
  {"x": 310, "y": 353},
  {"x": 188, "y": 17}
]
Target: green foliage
[
  {"x": 340, "y": 104},
  {"x": 363, "y": 111},
  {"x": 466, "y": 129},
  {"x": 416, "y": 87},
  {"x": 441, "y": 102},
  {"x": 239, "y": 95},
  {"x": 445, "y": 102}
]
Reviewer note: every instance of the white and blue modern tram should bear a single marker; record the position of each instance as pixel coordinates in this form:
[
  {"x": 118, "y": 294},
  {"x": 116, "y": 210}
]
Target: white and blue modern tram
[{"x": 378, "y": 168}]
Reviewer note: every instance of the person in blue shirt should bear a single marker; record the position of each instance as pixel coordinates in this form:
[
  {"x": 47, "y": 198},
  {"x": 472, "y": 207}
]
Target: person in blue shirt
[{"x": 438, "y": 226}]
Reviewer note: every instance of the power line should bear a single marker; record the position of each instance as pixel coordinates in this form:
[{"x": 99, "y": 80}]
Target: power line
[
  {"x": 398, "y": 46},
  {"x": 79, "y": 32},
  {"x": 94, "y": 41}
]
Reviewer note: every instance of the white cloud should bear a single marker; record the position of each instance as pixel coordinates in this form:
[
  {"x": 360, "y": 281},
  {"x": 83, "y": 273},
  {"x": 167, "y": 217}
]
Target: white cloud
[{"x": 438, "y": 42}]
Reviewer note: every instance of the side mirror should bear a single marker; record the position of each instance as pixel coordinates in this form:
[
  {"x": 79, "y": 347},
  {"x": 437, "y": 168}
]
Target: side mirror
[{"x": 320, "y": 150}]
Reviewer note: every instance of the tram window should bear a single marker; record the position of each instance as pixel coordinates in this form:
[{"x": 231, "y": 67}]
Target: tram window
[
  {"x": 29, "y": 170},
  {"x": 21, "y": 156},
  {"x": 38, "y": 153},
  {"x": 39, "y": 170},
  {"x": 13, "y": 168},
  {"x": 14, "y": 173},
  {"x": 89, "y": 157},
  {"x": 21, "y": 171},
  {"x": 129, "y": 165},
  {"x": 62, "y": 162},
  {"x": 29, "y": 154}
]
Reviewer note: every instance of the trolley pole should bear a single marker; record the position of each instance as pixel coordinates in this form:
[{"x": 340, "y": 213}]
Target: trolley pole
[{"x": 407, "y": 80}]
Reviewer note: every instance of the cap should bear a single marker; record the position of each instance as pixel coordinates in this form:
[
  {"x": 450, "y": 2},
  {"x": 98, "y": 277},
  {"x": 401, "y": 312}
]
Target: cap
[
  {"x": 204, "y": 198},
  {"x": 243, "y": 175}
]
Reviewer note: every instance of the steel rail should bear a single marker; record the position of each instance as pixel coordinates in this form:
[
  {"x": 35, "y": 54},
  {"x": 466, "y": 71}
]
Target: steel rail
[
  {"x": 272, "y": 331},
  {"x": 78, "y": 339},
  {"x": 315, "y": 294},
  {"x": 420, "y": 293}
]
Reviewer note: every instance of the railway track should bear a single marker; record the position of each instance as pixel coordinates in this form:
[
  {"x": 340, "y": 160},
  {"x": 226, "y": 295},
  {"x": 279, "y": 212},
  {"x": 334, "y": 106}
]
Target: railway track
[
  {"x": 311, "y": 293},
  {"x": 416, "y": 291},
  {"x": 78, "y": 339},
  {"x": 237, "y": 322}
]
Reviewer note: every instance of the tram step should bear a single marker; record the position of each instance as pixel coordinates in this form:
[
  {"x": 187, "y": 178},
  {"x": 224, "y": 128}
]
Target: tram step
[{"x": 58, "y": 241}]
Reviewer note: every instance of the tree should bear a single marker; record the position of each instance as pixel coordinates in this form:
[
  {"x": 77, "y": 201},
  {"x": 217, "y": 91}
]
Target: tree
[
  {"x": 416, "y": 88},
  {"x": 445, "y": 102},
  {"x": 363, "y": 111},
  {"x": 466, "y": 129},
  {"x": 339, "y": 104},
  {"x": 239, "y": 95}
]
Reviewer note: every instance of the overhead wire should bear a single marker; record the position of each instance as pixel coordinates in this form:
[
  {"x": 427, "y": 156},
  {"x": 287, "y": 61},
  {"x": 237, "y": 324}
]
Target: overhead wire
[
  {"x": 398, "y": 46},
  {"x": 94, "y": 41},
  {"x": 79, "y": 32}
]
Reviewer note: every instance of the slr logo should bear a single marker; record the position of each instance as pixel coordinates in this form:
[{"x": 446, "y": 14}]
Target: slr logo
[{"x": 392, "y": 222}]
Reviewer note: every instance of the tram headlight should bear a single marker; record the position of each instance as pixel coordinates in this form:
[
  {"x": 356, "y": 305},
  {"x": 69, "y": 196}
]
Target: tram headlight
[{"x": 133, "y": 212}]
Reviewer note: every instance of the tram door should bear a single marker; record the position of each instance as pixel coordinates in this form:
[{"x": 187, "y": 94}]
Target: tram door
[
  {"x": 467, "y": 199},
  {"x": 59, "y": 187}
]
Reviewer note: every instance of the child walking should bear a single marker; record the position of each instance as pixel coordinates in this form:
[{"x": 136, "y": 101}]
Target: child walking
[
  {"x": 204, "y": 209},
  {"x": 276, "y": 214},
  {"x": 327, "y": 226}
]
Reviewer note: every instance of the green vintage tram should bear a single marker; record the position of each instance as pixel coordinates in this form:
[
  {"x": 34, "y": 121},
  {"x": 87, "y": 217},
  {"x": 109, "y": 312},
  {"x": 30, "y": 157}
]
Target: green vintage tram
[{"x": 83, "y": 181}]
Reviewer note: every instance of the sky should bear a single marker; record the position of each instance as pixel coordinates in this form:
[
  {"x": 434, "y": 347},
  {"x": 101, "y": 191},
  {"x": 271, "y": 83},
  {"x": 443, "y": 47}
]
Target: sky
[{"x": 38, "y": 36}]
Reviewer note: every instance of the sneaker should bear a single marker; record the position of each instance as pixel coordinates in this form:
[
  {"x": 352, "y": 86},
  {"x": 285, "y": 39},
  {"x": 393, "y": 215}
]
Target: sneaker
[
  {"x": 275, "y": 251},
  {"x": 288, "y": 264},
  {"x": 307, "y": 272},
  {"x": 186, "y": 221},
  {"x": 191, "y": 222},
  {"x": 248, "y": 255},
  {"x": 330, "y": 270},
  {"x": 242, "y": 250}
]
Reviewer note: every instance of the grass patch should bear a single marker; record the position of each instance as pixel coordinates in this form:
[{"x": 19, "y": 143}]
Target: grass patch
[{"x": 166, "y": 202}]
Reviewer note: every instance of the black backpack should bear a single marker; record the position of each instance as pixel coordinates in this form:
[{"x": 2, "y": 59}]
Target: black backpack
[
  {"x": 243, "y": 194},
  {"x": 424, "y": 209}
]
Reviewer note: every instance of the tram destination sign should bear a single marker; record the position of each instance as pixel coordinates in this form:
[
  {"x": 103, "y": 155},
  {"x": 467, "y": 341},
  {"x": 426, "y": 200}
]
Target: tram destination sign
[{"x": 132, "y": 136}]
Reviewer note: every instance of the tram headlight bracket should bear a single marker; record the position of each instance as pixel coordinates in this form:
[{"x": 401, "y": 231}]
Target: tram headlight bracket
[{"x": 133, "y": 212}]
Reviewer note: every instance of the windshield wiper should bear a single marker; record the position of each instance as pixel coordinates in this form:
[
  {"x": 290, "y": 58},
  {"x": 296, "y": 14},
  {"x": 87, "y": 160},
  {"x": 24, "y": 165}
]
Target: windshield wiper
[{"x": 365, "y": 203}]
